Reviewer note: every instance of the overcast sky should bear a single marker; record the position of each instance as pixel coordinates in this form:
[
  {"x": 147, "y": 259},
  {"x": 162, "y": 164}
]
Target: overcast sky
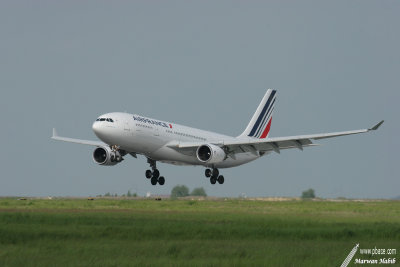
[{"x": 205, "y": 64}]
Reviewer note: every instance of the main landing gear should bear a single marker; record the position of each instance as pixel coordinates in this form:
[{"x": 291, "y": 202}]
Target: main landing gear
[
  {"x": 154, "y": 173},
  {"x": 214, "y": 176}
]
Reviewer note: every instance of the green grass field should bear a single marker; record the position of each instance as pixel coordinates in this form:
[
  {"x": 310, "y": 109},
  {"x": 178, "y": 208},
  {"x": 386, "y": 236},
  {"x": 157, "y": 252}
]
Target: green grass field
[{"x": 233, "y": 232}]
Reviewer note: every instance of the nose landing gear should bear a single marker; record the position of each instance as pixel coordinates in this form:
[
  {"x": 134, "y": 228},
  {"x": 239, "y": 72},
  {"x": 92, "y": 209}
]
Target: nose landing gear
[
  {"x": 154, "y": 173},
  {"x": 214, "y": 176}
]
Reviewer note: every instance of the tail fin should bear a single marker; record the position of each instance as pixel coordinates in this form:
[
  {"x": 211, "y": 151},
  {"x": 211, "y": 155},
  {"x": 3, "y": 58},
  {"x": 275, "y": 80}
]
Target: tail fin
[{"x": 260, "y": 123}]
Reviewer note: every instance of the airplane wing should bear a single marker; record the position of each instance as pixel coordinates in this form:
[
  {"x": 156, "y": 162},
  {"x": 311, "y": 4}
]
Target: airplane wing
[
  {"x": 77, "y": 141},
  {"x": 271, "y": 144}
]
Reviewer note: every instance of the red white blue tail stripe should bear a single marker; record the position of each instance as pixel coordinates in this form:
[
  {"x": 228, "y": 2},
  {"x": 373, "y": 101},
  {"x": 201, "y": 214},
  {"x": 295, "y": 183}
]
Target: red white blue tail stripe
[{"x": 260, "y": 123}]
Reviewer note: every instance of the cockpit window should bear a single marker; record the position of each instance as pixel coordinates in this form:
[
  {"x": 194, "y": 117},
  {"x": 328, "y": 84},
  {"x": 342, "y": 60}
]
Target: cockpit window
[{"x": 105, "y": 119}]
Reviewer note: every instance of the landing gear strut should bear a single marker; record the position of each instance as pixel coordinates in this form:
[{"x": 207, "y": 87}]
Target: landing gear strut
[
  {"x": 116, "y": 154},
  {"x": 214, "y": 176},
  {"x": 154, "y": 173}
]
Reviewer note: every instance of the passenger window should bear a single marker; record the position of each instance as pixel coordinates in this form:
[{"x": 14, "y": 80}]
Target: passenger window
[
  {"x": 102, "y": 119},
  {"x": 111, "y": 120}
]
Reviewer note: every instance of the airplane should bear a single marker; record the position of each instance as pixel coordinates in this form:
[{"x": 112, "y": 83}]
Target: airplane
[{"x": 160, "y": 141}]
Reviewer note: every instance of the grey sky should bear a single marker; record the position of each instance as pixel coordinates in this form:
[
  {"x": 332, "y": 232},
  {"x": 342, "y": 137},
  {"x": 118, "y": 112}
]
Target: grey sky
[{"x": 335, "y": 64}]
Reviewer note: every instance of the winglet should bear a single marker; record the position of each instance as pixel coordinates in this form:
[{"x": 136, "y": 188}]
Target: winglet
[
  {"x": 376, "y": 126},
  {"x": 54, "y": 133}
]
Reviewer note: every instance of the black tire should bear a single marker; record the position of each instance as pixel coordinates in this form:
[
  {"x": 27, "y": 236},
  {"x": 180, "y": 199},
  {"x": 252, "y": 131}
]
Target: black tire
[
  {"x": 208, "y": 173},
  {"x": 161, "y": 180},
  {"x": 153, "y": 181},
  {"x": 215, "y": 173},
  {"x": 149, "y": 174},
  {"x": 213, "y": 180},
  {"x": 156, "y": 173},
  {"x": 221, "y": 179}
]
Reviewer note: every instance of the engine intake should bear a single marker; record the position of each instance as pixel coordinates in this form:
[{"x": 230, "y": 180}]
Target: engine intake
[
  {"x": 210, "y": 154},
  {"x": 106, "y": 156}
]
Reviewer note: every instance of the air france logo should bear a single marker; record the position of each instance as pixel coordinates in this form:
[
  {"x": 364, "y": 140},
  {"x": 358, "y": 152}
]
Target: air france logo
[{"x": 154, "y": 122}]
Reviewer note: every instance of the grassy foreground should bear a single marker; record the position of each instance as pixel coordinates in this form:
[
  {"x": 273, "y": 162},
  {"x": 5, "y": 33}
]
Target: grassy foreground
[{"x": 107, "y": 232}]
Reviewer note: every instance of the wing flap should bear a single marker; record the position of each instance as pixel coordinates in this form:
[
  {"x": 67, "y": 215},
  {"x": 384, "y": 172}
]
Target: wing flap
[{"x": 276, "y": 146}]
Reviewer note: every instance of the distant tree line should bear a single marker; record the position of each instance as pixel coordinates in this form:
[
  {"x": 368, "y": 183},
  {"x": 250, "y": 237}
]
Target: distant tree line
[
  {"x": 108, "y": 194},
  {"x": 183, "y": 191},
  {"x": 308, "y": 194}
]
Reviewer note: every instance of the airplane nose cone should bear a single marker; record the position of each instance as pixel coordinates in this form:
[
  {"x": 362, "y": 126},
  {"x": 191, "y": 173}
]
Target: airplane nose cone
[{"x": 96, "y": 127}]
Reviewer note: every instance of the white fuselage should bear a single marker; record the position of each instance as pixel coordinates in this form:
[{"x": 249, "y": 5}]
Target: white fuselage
[{"x": 155, "y": 139}]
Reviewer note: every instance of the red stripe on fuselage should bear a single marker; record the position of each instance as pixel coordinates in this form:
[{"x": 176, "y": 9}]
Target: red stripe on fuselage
[{"x": 266, "y": 131}]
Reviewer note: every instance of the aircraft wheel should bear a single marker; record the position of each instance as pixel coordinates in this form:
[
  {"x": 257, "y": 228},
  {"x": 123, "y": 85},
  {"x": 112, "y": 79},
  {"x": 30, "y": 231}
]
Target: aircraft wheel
[
  {"x": 221, "y": 179},
  {"x": 215, "y": 173},
  {"x": 156, "y": 173},
  {"x": 153, "y": 181},
  {"x": 208, "y": 173},
  {"x": 149, "y": 174},
  {"x": 213, "y": 180},
  {"x": 161, "y": 180}
]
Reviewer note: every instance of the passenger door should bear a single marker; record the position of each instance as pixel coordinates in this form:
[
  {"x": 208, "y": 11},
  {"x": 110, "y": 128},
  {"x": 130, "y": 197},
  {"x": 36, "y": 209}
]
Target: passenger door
[
  {"x": 127, "y": 127},
  {"x": 156, "y": 131}
]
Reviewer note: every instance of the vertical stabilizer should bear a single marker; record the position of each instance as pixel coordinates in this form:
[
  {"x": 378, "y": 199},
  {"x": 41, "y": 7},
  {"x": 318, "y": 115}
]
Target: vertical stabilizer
[{"x": 260, "y": 123}]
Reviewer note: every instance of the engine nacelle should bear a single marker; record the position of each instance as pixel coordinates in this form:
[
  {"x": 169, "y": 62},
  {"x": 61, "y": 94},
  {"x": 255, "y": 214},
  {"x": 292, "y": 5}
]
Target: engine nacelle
[
  {"x": 210, "y": 154},
  {"x": 106, "y": 156}
]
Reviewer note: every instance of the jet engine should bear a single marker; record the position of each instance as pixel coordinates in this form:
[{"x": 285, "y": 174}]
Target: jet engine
[
  {"x": 106, "y": 156},
  {"x": 210, "y": 154}
]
